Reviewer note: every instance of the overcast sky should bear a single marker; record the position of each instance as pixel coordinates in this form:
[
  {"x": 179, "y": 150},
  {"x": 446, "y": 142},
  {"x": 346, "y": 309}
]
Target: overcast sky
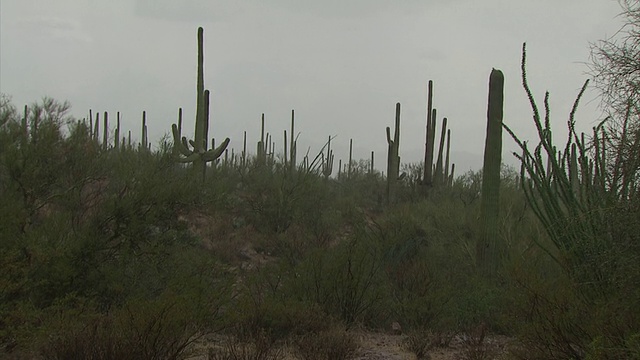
[{"x": 341, "y": 64}]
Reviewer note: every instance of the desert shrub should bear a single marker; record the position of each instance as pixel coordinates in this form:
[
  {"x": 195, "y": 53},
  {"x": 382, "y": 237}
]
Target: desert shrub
[
  {"x": 85, "y": 222},
  {"x": 270, "y": 198},
  {"x": 554, "y": 320},
  {"x": 263, "y": 306},
  {"x": 261, "y": 347},
  {"x": 346, "y": 280},
  {"x": 431, "y": 268},
  {"x": 419, "y": 342},
  {"x": 162, "y": 328},
  {"x": 331, "y": 344}
]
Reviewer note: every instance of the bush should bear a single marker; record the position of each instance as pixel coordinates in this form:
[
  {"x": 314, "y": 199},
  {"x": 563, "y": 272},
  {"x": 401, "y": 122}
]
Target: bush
[
  {"x": 157, "y": 329},
  {"x": 346, "y": 281},
  {"x": 262, "y": 347},
  {"x": 420, "y": 342},
  {"x": 333, "y": 344}
]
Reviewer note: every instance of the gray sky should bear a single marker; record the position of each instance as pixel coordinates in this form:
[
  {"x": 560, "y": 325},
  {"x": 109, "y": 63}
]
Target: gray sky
[{"x": 341, "y": 64}]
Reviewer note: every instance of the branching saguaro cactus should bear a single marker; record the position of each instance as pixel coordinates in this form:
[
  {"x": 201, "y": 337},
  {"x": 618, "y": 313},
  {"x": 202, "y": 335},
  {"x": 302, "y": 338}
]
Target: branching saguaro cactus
[
  {"x": 393, "y": 157},
  {"x": 486, "y": 246},
  {"x": 198, "y": 154},
  {"x": 436, "y": 173},
  {"x": 327, "y": 162}
]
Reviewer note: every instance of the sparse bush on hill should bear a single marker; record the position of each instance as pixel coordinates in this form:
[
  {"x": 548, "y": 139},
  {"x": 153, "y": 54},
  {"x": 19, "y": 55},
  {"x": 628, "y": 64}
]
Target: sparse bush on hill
[{"x": 120, "y": 252}]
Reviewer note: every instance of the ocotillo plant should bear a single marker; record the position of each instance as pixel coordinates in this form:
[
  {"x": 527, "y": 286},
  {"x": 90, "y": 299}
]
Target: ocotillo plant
[
  {"x": 393, "y": 157},
  {"x": 486, "y": 246},
  {"x": 573, "y": 209},
  {"x": 199, "y": 155}
]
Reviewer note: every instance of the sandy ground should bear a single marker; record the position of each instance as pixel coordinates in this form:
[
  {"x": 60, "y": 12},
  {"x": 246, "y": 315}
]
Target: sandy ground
[{"x": 381, "y": 346}]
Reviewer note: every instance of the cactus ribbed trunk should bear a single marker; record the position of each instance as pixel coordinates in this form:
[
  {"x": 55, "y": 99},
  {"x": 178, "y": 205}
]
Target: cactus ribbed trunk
[{"x": 486, "y": 247}]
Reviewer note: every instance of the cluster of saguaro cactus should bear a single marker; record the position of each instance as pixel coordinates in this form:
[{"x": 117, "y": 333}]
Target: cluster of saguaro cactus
[
  {"x": 436, "y": 174},
  {"x": 199, "y": 154},
  {"x": 118, "y": 143},
  {"x": 486, "y": 245}
]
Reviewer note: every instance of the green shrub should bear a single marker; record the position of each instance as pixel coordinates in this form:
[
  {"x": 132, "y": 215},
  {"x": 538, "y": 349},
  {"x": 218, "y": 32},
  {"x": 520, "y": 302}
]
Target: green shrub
[{"x": 346, "y": 281}]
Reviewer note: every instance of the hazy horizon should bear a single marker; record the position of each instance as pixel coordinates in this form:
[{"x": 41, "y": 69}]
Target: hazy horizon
[{"x": 342, "y": 65}]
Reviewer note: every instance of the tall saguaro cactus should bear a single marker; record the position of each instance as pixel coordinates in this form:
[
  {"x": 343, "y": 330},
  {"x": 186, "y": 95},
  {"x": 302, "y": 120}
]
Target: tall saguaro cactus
[
  {"x": 486, "y": 246},
  {"x": 427, "y": 178},
  {"x": 199, "y": 155},
  {"x": 293, "y": 147},
  {"x": 393, "y": 157}
]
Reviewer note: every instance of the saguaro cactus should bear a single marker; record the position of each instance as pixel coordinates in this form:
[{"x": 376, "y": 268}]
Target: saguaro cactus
[
  {"x": 439, "y": 172},
  {"x": 199, "y": 155},
  {"x": 144, "y": 144},
  {"x": 262, "y": 146},
  {"x": 427, "y": 178},
  {"x": 486, "y": 249},
  {"x": 327, "y": 162},
  {"x": 293, "y": 147},
  {"x": 116, "y": 140},
  {"x": 393, "y": 157}
]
